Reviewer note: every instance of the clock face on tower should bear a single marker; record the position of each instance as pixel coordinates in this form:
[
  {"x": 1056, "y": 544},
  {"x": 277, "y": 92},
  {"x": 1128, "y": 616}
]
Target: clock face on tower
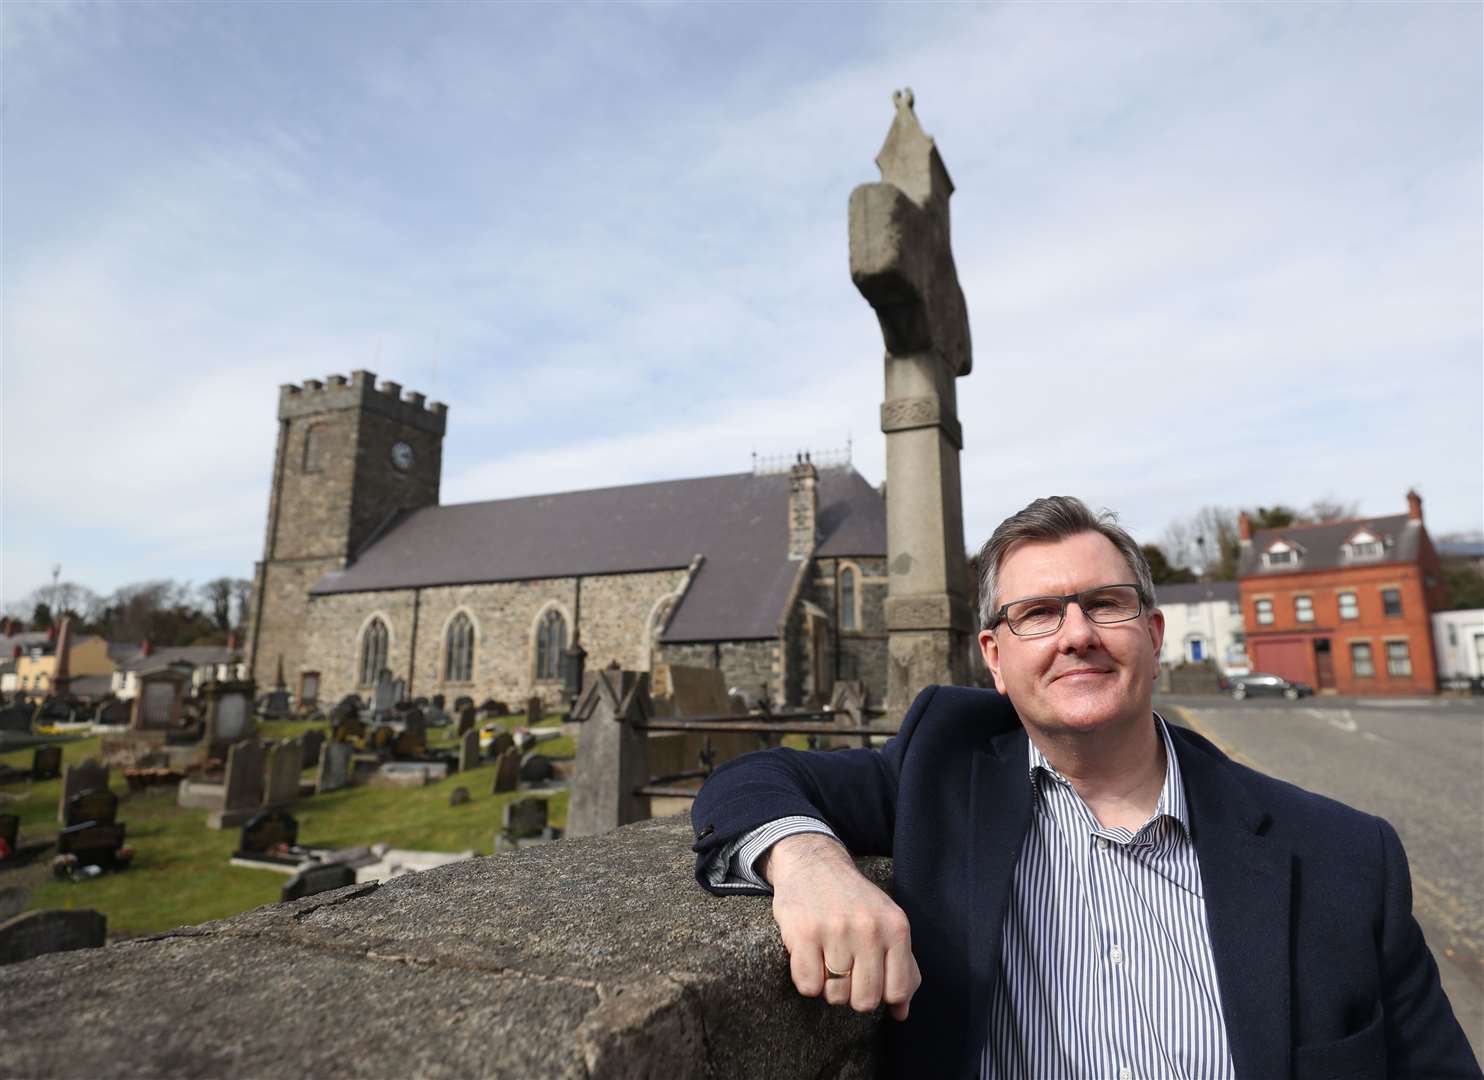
[{"x": 402, "y": 456}]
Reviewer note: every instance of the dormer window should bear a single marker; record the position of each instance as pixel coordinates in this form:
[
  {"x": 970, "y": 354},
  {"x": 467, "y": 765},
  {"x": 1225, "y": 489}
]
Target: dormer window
[
  {"x": 1280, "y": 553},
  {"x": 1363, "y": 545}
]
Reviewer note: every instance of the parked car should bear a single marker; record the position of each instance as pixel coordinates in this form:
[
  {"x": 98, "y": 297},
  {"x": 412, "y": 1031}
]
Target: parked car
[{"x": 1258, "y": 683}]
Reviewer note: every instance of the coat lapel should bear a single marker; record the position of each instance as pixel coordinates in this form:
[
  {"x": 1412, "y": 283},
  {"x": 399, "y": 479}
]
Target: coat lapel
[
  {"x": 1247, "y": 880},
  {"x": 999, "y": 815}
]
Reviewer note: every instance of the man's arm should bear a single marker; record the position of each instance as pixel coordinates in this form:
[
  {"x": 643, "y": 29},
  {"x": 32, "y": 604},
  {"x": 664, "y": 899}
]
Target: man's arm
[
  {"x": 827, "y": 911},
  {"x": 1422, "y": 1034}
]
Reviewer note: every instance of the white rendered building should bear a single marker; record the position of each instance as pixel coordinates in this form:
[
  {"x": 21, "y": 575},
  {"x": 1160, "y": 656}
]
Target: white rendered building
[{"x": 1203, "y": 621}]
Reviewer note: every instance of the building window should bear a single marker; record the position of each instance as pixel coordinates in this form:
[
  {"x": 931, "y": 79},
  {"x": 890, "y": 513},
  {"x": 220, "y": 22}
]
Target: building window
[
  {"x": 1398, "y": 658},
  {"x": 1363, "y": 545},
  {"x": 848, "y": 620},
  {"x": 1349, "y": 606},
  {"x": 1279, "y": 557},
  {"x": 551, "y": 641},
  {"x": 458, "y": 650},
  {"x": 373, "y": 651},
  {"x": 1264, "y": 612},
  {"x": 1362, "y": 665},
  {"x": 314, "y": 447},
  {"x": 1303, "y": 608},
  {"x": 1391, "y": 601},
  {"x": 1452, "y": 634}
]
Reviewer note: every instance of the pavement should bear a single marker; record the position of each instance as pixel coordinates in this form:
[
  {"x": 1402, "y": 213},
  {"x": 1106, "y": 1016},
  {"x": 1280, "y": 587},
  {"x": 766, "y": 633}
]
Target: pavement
[{"x": 1418, "y": 763}]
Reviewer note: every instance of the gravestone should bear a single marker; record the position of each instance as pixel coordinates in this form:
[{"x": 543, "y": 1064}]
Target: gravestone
[
  {"x": 313, "y": 742},
  {"x": 535, "y": 768},
  {"x": 94, "y": 843},
  {"x": 535, "y": 710},
  {"x": 158, "y": 702},
  {"x": 500, "y": 743},
  {"x": 469, "y": 751},
  {"x": 901, "y": 260},
  {"x": 494, "y": 707},
  {"x": 10, "y": 835},
  {"x": 317, "y": 878},
  {"x": 410, "y": 744},
  {"x": 692, "y": 691},
  {"x": 458, "y": 797},
  {"x": 348, "y": 729},
  {"x": 348, "y": 706},
  {"x": 334, "y": 767},
  {"x": 36, "y": 933},
  {"x": 242, "y": 789},
  {"x": 281, "y": 776},
  {"x": 46, "y": 763},
  {"x": 269, "y": 831},
  {"x": 507, "y": 772},
  {"x": 438, "y": 701},
  {"x": 229, "y": 716},
  {"x": 275, "y": 705},
  {"x": 113, "y": 713},
  {"x": 100, "y": 806},
  {"x": 525, "y": 818},
  {"x": 468, "y": 720},
  {"x": 612, "y": 752},
  {"x": 15, "y": 718},
  {"x": 460, "y": 703}
]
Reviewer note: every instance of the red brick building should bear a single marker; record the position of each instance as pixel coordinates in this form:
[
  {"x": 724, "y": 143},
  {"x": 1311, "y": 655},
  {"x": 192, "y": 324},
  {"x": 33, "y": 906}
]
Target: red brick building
[{"x": 1344, "y": 606}]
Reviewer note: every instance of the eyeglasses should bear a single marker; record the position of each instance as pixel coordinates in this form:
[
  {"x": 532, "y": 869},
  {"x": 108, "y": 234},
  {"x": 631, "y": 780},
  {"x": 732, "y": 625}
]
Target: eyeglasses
[{"x": 1037, "y": 615}]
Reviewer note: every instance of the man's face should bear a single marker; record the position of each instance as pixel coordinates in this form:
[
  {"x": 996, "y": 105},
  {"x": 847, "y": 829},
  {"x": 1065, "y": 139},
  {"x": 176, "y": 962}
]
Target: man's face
[{"x": 1085, "y": 676}]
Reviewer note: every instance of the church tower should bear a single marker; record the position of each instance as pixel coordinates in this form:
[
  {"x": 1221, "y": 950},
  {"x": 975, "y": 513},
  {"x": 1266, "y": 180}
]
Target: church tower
[{"x": 351, "y": 455}]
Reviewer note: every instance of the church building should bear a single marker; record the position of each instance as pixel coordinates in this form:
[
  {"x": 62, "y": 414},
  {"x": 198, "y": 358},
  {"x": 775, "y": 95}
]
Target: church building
[{"x": 776, "y": 578}]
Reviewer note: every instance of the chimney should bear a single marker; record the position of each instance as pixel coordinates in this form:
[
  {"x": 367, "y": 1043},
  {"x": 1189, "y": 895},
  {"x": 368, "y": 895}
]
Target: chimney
[
  {"x": 1244, "y": 527},
  {"x": 144, "y": 648},
  {"x": 803, "y": 507},
  {"x": 1414, "y": 506}
]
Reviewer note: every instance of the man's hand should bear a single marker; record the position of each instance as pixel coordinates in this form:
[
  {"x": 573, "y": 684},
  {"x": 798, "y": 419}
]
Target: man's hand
[{"x": 829, "y": 914}]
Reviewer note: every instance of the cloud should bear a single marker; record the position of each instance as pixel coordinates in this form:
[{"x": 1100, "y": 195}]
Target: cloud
[{"x": 1211, "y": 255}]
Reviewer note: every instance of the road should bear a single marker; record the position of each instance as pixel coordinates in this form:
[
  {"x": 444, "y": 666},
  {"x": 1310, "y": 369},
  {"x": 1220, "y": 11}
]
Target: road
[{"x": 1417, "y": 763}]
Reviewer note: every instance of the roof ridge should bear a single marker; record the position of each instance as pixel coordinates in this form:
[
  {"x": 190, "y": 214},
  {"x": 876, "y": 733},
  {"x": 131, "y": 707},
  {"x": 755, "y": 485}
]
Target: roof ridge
[{"x": 1326, "y": 524}]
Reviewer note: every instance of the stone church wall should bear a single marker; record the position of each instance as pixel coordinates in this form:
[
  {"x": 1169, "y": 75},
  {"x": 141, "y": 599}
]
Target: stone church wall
[
  {"x": 860, "y": 653},
  {"x": 615, "y": 610},
  {"x": 748, "y": 666}
]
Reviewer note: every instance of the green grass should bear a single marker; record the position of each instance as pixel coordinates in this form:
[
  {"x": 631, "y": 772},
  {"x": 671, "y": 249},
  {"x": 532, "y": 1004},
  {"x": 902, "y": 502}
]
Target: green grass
[{"x": 180, "y": 873}]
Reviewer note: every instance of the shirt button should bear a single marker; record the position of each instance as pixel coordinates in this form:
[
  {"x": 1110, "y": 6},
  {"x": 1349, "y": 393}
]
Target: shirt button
[
  {"x": 1115, "y": 954},
  {"x": 1103, "y": 843},
  {"x": 1125, "y": 1073}
]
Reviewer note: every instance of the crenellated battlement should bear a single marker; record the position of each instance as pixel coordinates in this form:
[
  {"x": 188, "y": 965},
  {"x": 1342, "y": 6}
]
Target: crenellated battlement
[{"x": 361, "y": 391}]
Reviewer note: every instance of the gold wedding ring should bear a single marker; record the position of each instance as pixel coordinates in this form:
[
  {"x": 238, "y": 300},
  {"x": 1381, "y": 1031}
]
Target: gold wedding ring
[{"x": 831, "y": 973}]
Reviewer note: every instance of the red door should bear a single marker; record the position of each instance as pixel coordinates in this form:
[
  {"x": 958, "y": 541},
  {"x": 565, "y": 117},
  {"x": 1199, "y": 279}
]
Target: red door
[{"x": 1324, "y": 664}]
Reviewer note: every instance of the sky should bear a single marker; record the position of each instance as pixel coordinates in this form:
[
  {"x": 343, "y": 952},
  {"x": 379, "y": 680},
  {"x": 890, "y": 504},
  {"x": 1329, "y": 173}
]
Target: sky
[{"x": 1212, "y": 254}]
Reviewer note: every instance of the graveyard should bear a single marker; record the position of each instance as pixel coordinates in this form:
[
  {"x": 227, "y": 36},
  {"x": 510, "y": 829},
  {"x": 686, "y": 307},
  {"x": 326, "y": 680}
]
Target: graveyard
[{"x": 181, "y": 872}]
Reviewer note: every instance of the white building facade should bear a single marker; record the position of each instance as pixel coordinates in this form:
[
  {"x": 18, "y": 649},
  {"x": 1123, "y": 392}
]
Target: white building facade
[
  {"x": 1203, "y": 621},
  {"x": 1458, "y": 643}
]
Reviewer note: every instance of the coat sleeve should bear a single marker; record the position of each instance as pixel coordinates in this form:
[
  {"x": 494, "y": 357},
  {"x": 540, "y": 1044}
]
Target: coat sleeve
[
  {"x": 1423, "y": 1036},
  {"x": 853, "y": 791}
]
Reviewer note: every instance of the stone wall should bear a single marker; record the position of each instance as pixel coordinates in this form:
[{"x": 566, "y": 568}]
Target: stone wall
[
  {"x": 749, "y": 666},
  {"x": 615, "y": 610},
  {"x": 859, "y": 653},
  {"x": 595, "y": 958}
]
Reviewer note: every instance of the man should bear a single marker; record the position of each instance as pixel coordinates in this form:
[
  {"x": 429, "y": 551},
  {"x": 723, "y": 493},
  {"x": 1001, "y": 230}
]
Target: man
[{"x": 1079, "y": 889}]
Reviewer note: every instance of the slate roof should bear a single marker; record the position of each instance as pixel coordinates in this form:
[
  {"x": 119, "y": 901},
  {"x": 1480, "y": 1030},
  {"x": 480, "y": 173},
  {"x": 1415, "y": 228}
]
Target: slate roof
[
  {"x": 26, "y": 639},
  {"x": 1320, "y": 545},
  {"x": 738, "y": 523},
  {"x": 1460, "y": 549},
  {"x": 195, "y": 655},
  {"x": 1196, "y": 592}
]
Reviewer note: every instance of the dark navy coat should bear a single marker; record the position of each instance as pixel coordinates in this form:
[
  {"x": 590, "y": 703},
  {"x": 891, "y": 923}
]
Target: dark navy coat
[{"x": 1322, "y": 968}]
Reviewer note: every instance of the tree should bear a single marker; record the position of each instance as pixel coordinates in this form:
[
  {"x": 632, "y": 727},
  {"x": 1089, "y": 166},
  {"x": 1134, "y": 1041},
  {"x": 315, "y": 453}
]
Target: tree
[
  {"x": 1465, "y": 587},
  {"x": 242, "y": 595},
  {"x": 1159, "y": 566},
  {"x": 1276, "y": 516},
  {"x": 1330, "y": 509},
  {"x": 1206, "y": 540},
  {"x": 41, "y": 616}
]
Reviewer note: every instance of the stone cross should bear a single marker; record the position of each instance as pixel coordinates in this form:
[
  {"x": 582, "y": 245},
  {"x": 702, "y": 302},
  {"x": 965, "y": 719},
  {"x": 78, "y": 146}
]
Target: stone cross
[{"x": 901, "y": 260}]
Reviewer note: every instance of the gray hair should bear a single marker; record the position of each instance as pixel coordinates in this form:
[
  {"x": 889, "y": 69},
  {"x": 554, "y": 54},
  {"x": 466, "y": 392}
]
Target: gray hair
[{"x": 1056, "y": 518}]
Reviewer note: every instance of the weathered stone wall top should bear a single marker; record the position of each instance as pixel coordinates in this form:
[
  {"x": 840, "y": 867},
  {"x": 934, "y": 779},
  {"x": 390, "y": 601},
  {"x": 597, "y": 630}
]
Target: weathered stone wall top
[
  {"x": 586, "y": 958},
  {"x": 361, "y": 391}
]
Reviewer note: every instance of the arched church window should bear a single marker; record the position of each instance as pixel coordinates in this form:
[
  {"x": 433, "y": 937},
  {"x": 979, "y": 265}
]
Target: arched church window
[
  {"x": 373, "y": 651},
  {"x": 314, "y": 447},
  {"x": 458, "y": 650},
  {"x": 551, "y": 640},
  {"x": 848, "y": 587}
]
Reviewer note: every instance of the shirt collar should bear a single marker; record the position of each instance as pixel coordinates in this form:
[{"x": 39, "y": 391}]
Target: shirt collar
[{"x": 1171, "y": 801}]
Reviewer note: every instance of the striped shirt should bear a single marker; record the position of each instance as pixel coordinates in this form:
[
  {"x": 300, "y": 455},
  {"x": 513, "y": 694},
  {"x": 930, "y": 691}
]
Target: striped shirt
[{"x": 1105, "y": 958}]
